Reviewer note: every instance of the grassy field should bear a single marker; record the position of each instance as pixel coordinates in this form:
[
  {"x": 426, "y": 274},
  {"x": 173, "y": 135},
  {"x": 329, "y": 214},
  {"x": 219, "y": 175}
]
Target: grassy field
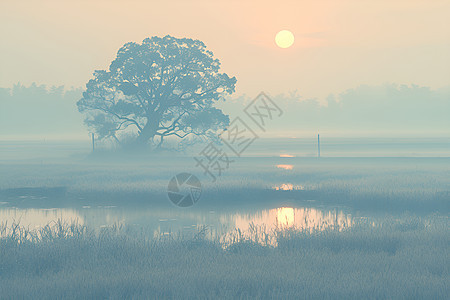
[
  {"x": 398, "y": 260},
  {"x": 394, "y": 184}
]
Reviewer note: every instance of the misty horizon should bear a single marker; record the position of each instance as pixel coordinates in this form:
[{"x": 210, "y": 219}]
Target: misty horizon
[
  {"x": 226, "y": 149},
  {"x": 31, "y": 112}
]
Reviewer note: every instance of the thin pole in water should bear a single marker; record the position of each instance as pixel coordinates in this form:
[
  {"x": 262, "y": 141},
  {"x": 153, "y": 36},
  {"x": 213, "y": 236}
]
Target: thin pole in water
[
  {"x": 93, "y": 142},
  {"x": 318, "y": 145}
]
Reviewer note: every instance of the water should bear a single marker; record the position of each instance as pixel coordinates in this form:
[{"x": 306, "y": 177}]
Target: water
[
  {"x": 42, "y": 182},
  {"x": 183, "y": 221},
  {"x": 51, "y": 151}
]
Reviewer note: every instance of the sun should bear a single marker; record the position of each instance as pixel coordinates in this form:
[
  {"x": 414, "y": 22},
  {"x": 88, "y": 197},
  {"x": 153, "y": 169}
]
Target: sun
[{"x": 284, "y": 39}]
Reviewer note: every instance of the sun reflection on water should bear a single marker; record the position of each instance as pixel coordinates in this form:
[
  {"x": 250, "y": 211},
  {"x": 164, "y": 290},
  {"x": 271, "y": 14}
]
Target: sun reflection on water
[
  {"x": 288, "y": 187},
  {"x": 267, "y": 222},
  {"x": 285, "y": 167}
]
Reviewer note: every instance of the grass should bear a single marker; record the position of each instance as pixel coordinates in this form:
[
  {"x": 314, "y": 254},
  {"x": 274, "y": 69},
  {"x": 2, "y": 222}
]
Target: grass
[
  {"x": 416, "y": 184},
  {"x": 401, "y": 260}
]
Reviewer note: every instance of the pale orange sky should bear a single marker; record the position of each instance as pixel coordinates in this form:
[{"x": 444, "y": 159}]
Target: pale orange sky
[{"x": 339, "y": 44}]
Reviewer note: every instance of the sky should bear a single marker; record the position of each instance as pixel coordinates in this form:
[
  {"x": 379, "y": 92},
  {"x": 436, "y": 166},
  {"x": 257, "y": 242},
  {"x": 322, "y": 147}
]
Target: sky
[{"x": 338, "y": 44}]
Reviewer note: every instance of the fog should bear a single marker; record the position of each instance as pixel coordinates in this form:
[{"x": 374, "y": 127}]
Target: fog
[
  {"x": 38, "y": 112},
  {"x": 224, "y": 149}
]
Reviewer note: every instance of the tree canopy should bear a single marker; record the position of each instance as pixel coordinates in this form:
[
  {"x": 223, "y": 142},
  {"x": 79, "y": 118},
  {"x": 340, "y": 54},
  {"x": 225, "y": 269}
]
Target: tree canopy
[{"x": 160, "y": 88}]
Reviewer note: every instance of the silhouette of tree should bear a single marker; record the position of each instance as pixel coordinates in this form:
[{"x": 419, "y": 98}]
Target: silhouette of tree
[{"x": 163, "y": 87}]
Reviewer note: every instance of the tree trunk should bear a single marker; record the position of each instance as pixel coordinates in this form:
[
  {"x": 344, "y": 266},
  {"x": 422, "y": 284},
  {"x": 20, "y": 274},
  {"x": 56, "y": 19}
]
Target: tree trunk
[{"x": 148, "y": 132}]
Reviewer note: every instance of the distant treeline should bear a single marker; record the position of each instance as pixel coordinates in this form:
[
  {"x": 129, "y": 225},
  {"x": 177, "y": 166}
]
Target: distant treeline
[
  {"x": 39, "y": 110},
  {"x": 386, "y": 109}
]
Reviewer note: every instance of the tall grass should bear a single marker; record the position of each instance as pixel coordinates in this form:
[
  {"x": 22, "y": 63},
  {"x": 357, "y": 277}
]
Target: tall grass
[{"x": 400, "y": 260}]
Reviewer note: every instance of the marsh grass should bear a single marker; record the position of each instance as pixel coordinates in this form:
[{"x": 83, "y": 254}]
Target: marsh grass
[
  {"x": 401, "y": 259},
  {"x": 382, "y": 184}
]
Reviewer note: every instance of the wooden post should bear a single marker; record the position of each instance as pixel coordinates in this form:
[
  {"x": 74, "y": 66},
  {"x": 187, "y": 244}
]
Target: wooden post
[
  {"x": 318, "y": 145},
  {"x": 93, "y": 142}
]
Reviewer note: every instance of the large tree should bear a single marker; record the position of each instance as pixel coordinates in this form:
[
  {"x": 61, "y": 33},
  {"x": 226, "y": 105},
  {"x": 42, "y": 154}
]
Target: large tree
[{"x": 160, "y": 88}]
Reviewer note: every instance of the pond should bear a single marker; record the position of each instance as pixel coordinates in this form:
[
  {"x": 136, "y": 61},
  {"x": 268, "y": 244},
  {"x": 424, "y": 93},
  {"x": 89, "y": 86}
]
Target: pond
[{"x": 221, "y": 224}]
